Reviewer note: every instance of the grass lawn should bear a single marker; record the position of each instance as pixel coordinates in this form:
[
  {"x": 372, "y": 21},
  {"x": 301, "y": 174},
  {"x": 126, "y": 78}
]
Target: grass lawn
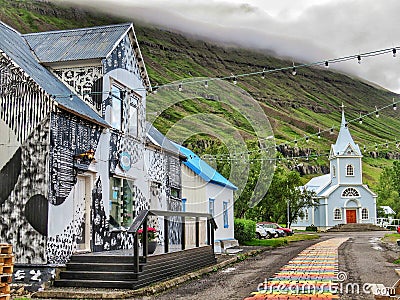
[
  {"x": 282, "y": 241},
  {"x": 391, "y": 238}
]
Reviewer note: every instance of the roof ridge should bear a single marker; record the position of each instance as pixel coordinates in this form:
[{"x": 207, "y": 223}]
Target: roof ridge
[{"x": 78, "y": 29}]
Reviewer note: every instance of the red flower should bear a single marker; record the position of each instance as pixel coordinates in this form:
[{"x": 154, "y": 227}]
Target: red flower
[{"x": 151, "y": 233}]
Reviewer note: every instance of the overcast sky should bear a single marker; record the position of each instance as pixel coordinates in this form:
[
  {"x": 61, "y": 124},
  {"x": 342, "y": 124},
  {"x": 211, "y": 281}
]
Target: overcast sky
[{"x": 301, "y": 30}]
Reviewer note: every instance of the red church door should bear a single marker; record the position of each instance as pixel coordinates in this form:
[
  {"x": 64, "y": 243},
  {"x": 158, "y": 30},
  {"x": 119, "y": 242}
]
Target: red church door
[{"x": 351, "y": 216}]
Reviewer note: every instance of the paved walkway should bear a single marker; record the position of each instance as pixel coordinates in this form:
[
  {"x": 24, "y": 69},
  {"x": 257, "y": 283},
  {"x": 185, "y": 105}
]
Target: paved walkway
[{"x": 313, "y": 274}]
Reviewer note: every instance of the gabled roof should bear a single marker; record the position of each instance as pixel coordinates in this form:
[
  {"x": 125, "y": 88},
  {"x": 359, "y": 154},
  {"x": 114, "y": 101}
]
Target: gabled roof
[
  {"x": 204, "y": 170},
  {"x": 344, "y": 140},
  {"x": 17, "y": 50},
  {"x": 388, "y": 210},
  {"x": 83, "y": 44},
  {"x": 158, "y": 139},
  {"x": 76, "y": 44},
  {"x": 318, "y": 184}
]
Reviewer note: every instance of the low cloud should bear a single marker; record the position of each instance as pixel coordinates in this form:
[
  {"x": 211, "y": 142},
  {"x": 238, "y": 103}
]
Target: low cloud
[{"x": 313, "y": 31}]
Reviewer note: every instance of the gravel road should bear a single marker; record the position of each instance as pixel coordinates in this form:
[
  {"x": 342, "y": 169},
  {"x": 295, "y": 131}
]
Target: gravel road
[
  {"x": 363, "y": 258},
  {"x": 238, "y": 281}
]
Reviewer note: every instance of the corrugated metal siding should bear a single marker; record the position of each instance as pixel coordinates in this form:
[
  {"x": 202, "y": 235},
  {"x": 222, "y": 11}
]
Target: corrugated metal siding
[
  {"x": 67, "y": 45},
  {"x": 15, "y": 47}
]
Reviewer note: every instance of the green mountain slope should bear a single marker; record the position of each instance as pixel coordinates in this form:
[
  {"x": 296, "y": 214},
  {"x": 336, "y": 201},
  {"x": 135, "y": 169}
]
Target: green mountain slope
[{"x": 296, "y": 105}]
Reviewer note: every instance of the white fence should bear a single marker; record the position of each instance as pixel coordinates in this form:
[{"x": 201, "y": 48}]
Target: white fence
[{"x": 388, "y": 223}]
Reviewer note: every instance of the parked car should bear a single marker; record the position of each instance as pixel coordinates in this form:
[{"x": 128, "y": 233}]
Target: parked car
[
  {"x": 265, "y": 232},
  {"x": 398, "y": 229},
  {"x": 286, "y": 231}
]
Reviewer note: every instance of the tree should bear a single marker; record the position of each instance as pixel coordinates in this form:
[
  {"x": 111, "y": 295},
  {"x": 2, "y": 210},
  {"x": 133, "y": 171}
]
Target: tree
[
  {"x": 284, "y": 189},
  {"x": 389, "y": 187}
]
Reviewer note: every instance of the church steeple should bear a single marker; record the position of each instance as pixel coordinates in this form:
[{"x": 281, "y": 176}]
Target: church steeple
[{"x": 345, "y": 144}]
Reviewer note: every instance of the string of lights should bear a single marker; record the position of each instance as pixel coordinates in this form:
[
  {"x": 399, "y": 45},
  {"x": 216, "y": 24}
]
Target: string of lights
[
  {"x": 234, "y": 78},
  {"x": 320, "y": 132}
]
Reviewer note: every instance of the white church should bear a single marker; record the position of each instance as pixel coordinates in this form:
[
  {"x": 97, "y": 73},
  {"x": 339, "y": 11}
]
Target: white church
[{"x": 343, "y": 198}]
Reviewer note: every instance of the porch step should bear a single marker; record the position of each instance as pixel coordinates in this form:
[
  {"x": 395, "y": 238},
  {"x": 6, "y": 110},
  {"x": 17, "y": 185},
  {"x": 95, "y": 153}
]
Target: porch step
[
  {"x": 355, "y": 227},
  {"x": 108, "y": 271}
]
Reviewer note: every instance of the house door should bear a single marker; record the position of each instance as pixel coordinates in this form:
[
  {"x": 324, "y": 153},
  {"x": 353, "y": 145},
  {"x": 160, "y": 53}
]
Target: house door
[
  {"x": 82, "y": 213},
  {"x": 351, "y": 216}
]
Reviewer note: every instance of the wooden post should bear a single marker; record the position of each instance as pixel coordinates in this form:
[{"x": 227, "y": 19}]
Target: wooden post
[
  {"x": 212, "y": 235},
  {"x": 197, "y": 232},
  {"x": 145, "y": 239},
  {"x": 166, "y": 240},
  {"x": 135, "y": 253},
  {"x": 208, "y": 232},
  {"x": 183, "y": 235}
]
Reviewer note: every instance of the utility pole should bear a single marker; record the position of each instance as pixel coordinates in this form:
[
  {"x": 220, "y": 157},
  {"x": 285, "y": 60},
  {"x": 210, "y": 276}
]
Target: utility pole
[{"x": 288, "y": 204}]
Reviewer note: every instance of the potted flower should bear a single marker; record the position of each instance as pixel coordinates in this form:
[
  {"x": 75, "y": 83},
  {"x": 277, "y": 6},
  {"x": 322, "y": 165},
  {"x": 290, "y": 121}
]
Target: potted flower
[{"x": 151, "y": 237}]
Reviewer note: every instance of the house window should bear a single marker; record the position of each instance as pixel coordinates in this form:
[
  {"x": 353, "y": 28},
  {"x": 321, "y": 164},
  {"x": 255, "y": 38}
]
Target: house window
[
  {"x": 337, "y": 214},
  {"x": 211, "y": 206},
  {"x": 116, "y": 107},
  {"x": 121, "y": 203},
  {"x": 350, "y": 192},
  {"x": 333, "y": 171},
  {"x": 365, "y": 214},
  {"x": 184, "y": 205},
  {"x": 349, "y": 170},
  {"x": 133, "y": 128},
  {"x": 225, "y": 211},
  {"x": 175, "y": 193}
]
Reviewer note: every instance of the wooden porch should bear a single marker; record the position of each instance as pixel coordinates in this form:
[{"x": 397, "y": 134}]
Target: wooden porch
[{"x": 135, "y": 268}]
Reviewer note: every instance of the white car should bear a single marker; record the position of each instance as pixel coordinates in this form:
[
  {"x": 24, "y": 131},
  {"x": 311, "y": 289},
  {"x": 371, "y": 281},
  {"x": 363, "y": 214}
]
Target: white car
[{"x": 265, "y": 232}]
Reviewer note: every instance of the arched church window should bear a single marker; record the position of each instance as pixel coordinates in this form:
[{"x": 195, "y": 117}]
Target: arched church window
[
  {"x": 337, "y": 214},
  {"x": 365, "y": 214},
  {"x": 349, "y": 170},
  {"x": 350, "y": 192}
]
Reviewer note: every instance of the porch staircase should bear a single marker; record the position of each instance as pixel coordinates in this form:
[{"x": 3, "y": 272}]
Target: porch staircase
[
  {"x": 353, "y": 227},
  {"x": 117, "y": 271}
]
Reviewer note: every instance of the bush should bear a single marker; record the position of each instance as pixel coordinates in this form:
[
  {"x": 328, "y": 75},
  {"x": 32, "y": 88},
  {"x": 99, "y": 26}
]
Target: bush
[
  {"x": 311, "y": 228},
  {"x": 245, "y": 230}
]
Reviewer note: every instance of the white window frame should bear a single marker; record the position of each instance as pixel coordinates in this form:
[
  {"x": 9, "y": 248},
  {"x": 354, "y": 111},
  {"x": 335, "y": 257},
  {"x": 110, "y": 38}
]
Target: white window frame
[
  {"x": 340, "y": 214},
  {"x": 363, "y": 210},
  {"x": 354, "y": 193},
  {"x": 348, "y": 168}
]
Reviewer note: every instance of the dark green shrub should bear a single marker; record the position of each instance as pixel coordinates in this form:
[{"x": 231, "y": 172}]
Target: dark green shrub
[
  {"x": 311, "y": 228},
  {"x": 245, "y": 230}
]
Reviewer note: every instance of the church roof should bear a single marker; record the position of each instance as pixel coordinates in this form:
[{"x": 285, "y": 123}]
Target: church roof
[
  {"x": 345, "y": 141},
  {"x": 317, "y": 184}
]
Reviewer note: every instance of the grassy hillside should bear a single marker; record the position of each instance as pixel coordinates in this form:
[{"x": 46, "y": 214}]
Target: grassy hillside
[{"x": 296, "y": 105}]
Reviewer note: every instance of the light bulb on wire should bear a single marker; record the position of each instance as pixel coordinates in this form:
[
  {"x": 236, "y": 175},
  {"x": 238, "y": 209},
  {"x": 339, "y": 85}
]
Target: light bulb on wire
[
  {"x": 206, "y": 84},
  {"x": 360, "y": 119},
  {"x": 394, "y": 52},
  {"x": 394, "y": 105},
  {"x": 180, "y": 87},
  {"x": 359, "y": 59},
  {"x": 326, "y": 64},
  {"x": 376, "y": 112},
  {"x": 294, "y": 72},
  {"x": 263, "y": 74}
]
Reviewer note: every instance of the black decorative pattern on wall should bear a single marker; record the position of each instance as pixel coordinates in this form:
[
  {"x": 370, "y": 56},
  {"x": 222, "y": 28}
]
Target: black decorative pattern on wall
[
  {"x": 37, "y": 212},
  {"x": 9, "y": 176},
  {"x": 119, "y": 144},
  {"x": 122, "y": 57},
  {"x": 175, "y": 225},
  {"x": 61, "y": 246},
  {"x": 25, "y": 233},
  {"x": 70, "y": 135},
  {"x": 83, "y": 80},
  {"x": 22, "y": 104}
]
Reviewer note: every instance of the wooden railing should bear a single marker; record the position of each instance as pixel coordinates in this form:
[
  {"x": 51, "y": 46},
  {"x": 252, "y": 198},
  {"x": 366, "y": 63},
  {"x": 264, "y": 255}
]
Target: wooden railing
[{"x": 141, "y": 220}]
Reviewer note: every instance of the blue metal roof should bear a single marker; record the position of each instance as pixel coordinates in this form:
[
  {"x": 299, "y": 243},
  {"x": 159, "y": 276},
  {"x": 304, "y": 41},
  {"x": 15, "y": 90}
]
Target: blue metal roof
[
  {"x": 16, "y": 48},
  {"x": 204, "y": 170},
  {"x": 76, "y": 44}
]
